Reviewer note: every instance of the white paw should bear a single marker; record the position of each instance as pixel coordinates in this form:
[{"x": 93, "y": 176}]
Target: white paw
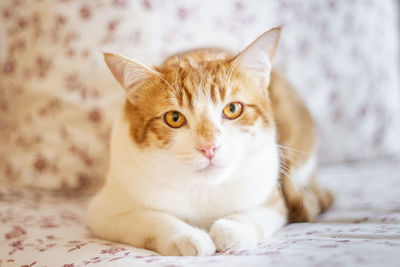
[
  {"x": 228, "y": 234},
  {"x": 192, "y": 243}
]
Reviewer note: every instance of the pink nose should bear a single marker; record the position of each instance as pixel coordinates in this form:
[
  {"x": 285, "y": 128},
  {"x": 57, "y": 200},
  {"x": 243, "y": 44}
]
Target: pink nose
[{"x": 208, "y": 151}]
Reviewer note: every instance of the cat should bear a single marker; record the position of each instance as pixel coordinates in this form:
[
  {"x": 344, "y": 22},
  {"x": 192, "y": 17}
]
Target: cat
[{"x": 210, "y": 152}]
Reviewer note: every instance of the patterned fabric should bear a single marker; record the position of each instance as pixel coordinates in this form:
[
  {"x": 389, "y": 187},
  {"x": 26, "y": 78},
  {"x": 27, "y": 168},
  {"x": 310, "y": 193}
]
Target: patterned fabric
[
  {"x": 57, "y": 100},
  {"x": 361, "y": 229}
]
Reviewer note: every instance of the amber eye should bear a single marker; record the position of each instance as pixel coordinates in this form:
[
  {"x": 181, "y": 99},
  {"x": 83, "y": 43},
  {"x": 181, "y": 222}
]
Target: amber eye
[
  {"x": 233, "y": 110},
  {"x": 174, "y": 118}
]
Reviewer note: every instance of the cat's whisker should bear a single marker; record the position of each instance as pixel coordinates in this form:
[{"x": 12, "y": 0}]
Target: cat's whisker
[
  {"x": 288, "y": 175},
  {"x": 292, "y": 158},
  {"x": 286, "y": 172},
  {"x": 291, "y": 149},
  {"x": 290, "y": 154},
  {"x": 284, "y": 166}
]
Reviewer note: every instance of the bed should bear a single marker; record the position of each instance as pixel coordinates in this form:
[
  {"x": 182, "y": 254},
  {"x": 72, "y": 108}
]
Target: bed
[{"x": 43, "y": 228}]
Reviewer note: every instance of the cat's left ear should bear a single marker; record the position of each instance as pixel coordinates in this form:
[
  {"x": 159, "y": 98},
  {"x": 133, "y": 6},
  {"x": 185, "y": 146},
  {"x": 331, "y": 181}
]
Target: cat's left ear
[{"x": 258, "y": 56}]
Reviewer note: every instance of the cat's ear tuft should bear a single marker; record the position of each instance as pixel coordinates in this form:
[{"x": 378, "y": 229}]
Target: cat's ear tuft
[
  {"x": 258, "y": 56},
  {"x": 129, "y": 73}
]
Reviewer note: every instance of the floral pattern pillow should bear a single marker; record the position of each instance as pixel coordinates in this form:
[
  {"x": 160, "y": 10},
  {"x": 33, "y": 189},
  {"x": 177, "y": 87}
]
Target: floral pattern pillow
[{"x": 57, "y": 100}]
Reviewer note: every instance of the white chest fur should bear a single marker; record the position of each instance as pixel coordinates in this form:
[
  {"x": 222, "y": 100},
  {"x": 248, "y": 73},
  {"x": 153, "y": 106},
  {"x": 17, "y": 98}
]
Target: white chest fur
[{"x": 202, "y": 204}]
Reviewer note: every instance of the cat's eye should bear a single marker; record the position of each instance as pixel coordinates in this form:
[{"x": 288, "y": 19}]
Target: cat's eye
[
  {"x": 174, "y": 119},
  {"x": 233, "y": 110}
]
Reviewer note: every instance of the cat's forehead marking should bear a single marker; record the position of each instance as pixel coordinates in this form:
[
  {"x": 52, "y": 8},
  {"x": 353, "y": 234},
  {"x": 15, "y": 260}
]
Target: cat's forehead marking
[
  {"x": 178, "y": 94},
  {"x": 194, "y": 81},
  {"x": 187, "y": 86}
]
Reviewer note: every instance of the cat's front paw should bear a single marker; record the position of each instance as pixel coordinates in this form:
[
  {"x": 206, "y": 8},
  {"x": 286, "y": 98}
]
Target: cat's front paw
[
  {"x": 229, "y": 234},
  {"x": 192, "y": 243}
]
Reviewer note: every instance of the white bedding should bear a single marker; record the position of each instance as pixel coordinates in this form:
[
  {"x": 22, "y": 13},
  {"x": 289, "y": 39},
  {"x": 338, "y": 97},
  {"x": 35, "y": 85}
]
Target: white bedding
[{"x": 362, "y": 229}]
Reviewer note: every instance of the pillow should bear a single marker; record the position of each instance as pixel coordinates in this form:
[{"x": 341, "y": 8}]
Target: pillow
[{"x": 57, "y": 99}]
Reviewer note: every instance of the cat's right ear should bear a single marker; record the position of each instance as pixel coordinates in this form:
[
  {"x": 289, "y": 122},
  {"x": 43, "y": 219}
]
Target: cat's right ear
[{"x": 129, "y": 73}]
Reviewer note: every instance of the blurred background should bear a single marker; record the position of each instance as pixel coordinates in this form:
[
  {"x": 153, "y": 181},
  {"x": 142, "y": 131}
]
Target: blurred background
[{"x": 58, "y": 100}]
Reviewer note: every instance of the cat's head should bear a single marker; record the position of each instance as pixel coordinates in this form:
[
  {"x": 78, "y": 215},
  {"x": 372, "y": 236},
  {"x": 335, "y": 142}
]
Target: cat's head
[{"x": 200, "y": 113}]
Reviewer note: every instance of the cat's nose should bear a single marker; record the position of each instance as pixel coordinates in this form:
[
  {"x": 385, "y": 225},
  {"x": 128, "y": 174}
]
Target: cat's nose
[{"x": 208, "y": 151}]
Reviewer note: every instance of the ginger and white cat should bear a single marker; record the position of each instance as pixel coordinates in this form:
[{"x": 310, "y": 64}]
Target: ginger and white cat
[{"x": 195, "y": 161}]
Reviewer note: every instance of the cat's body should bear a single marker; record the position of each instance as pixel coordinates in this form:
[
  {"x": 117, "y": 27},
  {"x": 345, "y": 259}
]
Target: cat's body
[{"x": 210, "y": 180}]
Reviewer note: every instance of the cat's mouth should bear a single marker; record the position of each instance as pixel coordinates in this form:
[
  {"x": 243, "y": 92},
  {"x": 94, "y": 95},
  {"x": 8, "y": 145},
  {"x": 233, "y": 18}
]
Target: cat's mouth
[{"x": 210, "y": 167}]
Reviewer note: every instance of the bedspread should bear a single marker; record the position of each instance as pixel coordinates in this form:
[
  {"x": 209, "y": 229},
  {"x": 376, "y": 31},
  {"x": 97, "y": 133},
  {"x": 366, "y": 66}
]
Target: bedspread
[{"x": 41, "y": 228}]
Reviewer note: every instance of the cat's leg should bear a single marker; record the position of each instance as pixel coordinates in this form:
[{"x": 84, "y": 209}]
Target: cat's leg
[
  {"x": 153, "y": 230},
  {"x": 301, "y": 202},
  {"x": 305, "y": 201},
  {"x": 244, "y": 230}
]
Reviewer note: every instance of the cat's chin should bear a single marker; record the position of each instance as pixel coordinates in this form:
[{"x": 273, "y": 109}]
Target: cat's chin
[
  {"x": 209, "y": 168},
  {"x": 211, "y": 172}
]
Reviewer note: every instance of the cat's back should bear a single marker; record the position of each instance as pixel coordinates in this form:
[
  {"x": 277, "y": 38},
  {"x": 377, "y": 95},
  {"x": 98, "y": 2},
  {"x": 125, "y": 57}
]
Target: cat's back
[
  {"x": 199, "y": 55},
  {"x": 294, "y": 123}
]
